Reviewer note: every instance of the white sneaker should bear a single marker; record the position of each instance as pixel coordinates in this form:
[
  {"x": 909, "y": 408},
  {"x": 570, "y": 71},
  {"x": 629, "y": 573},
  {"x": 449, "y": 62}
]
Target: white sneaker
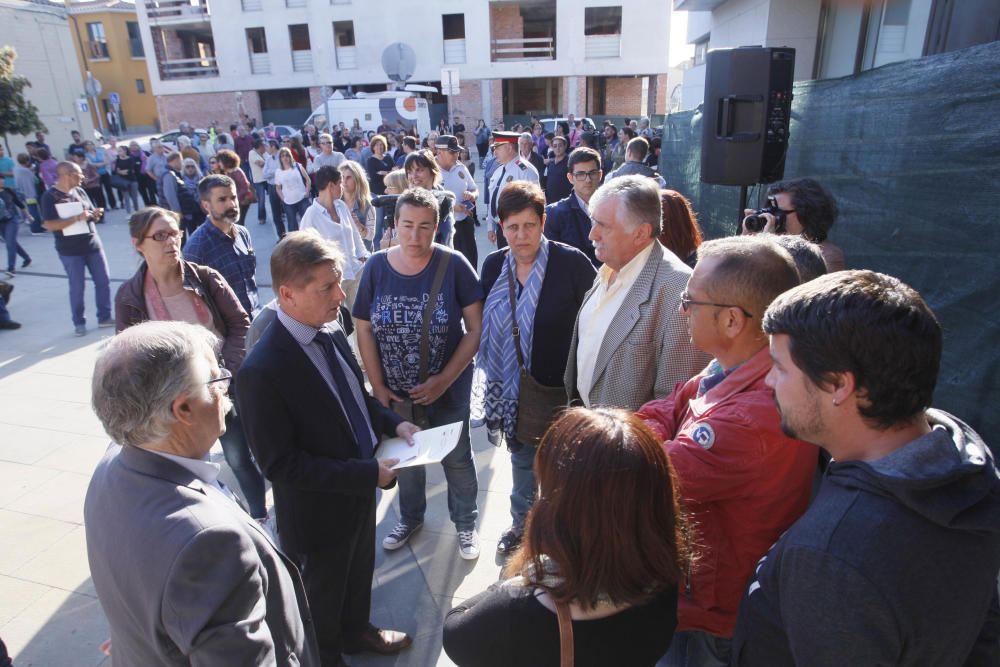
[
  {"x": 468, "y": 544},
  {"x": 399, "y": 536}
]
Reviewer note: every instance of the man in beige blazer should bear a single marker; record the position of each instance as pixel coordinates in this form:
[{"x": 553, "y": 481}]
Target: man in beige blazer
[{"x": 630, "y": 344}]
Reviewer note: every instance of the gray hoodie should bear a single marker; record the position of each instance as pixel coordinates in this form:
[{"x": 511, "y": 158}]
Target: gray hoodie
[{"x": 895, "y": 563}]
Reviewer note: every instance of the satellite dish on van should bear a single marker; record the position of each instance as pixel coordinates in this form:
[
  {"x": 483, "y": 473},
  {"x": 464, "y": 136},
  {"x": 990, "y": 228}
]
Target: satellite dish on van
[{"x": 399, "y": 61}]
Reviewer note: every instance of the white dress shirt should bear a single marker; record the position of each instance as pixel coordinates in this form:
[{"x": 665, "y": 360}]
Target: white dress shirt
[
  {"x": 344, "y": 233},
  {"x": 596, "y": 315}
]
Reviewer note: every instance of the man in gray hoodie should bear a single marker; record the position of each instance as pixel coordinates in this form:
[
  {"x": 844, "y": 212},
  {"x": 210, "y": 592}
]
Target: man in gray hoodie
[{"x": 895, "y": 563}]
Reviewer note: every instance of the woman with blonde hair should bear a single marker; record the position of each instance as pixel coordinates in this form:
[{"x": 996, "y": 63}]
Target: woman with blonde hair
[
  {"x": 358, "y": 198},
  {"x": 292, "y": 184}
]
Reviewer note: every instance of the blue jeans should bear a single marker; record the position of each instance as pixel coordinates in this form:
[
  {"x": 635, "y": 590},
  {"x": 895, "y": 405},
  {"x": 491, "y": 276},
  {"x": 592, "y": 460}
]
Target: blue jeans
[
  {"x": 76, "y": 267},
  {"x": 522, "y": 493},
  {"x": 695, "y": 648},
  {"x": 36, "y": 219},
  {"x": 294, "y": 213},
  {"x": 237, "y": 452},
  {"x": 14, "y": 248},
  {"x": 459, "y": 470},
  {"x": 261, "y": 189}
]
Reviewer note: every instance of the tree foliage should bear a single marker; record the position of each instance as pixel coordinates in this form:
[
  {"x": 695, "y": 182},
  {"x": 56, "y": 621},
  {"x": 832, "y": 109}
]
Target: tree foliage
[{"x": 17, "y": 114}]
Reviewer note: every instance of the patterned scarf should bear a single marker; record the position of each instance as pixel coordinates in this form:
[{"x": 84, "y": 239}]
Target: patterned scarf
[
  {"x": 496, "y": 384},
  {"x": 158, "y": 308}
]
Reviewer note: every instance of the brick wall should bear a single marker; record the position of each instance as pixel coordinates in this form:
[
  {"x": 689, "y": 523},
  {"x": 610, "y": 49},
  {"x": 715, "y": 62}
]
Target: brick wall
[
  {"x": 581, "y": 96},
  {"x": 496, "y": 103},
  {"x": 624, "y": 97},
  {"x": 505, "y": 23},
  {"x": 468, "y": 105},
  {"x": 662, "y": 91},
  {"x": 201, "y": 109}
]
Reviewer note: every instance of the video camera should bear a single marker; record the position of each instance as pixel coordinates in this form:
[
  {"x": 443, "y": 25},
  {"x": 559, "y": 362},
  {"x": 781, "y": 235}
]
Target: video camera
[{"x": 388, "y": 204}]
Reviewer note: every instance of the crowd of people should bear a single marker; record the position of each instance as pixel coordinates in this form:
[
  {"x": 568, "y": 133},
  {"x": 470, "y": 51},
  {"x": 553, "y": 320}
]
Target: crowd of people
[{"x": 723, "y": 451}]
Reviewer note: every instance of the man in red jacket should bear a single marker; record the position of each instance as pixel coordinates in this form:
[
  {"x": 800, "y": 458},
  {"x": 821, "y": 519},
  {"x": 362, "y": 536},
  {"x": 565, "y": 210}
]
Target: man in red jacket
[{"x": 742, "y": 480}]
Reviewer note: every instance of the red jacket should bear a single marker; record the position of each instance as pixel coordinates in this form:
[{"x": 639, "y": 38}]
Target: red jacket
[{"x": 742, "y": 481}]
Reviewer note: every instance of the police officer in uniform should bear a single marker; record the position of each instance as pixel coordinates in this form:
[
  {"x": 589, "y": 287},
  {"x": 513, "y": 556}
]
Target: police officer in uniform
[
  {"x": 457, "y": 179},
  {"x": 512, "y": 168}
]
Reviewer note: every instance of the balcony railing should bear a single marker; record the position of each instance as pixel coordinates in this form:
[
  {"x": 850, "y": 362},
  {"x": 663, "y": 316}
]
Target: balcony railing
[
  {"x": 454, "y": 51},
  {"x": 99, "y": 51},
  {"x": 602, "y": 46},
  {"x": 347, "y": 57},
  {"x": 188, "y": 68},
  {"x": 530, "y": 48},
  {"x": 260, "y": 63},
  {"x": 302, "y": 61},
  {"x": 252, "y": 5},
  {"x": 292, "y": 4},
  {"x": 161, "y": 12}
]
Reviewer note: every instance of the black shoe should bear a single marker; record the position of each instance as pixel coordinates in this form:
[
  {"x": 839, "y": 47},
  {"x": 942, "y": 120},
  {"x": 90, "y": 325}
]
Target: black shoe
[
  {"x": 509, "y": 541},
  {"x": 5, "y": 290},
  {"x": 26, "y": 263},
  {"x": 10, "y": 324}
]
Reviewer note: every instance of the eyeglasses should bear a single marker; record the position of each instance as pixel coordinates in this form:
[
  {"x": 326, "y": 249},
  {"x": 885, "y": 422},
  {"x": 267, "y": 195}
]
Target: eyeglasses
[
  {"x": 225, "y": 377},
  {"x": 324, "y": 143},
  {"x": 164, "y": 235},
  {"x": 687, "y": 302},
  {"x": 587, "y": 175}
]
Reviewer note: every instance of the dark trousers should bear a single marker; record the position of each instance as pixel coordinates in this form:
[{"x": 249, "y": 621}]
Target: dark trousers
[
  {"x": 109, "y": 192},
  {"x": 147, "y": 190},
  {"x": 338, "y": 582},
  {"x": 465, "y": 240},
  {"x": 277, "y": 210},
  {"x": 96, "y": 196}
]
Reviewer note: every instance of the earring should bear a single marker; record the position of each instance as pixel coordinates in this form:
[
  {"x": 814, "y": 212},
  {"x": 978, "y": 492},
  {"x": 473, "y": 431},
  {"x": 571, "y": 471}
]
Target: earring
[{"x": 836, "y": 403}]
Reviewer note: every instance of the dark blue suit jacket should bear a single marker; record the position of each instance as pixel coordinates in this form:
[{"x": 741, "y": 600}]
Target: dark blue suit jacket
[
  {"x": 304, "y": 443},
  {"x": 567, "y": 223},
  {"x": 568, "y": 278}
]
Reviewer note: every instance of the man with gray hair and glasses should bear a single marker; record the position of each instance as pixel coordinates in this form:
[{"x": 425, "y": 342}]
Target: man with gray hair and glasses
[
  {"x": 630, "y": 344},
  {"x": 185, "y": 576}
]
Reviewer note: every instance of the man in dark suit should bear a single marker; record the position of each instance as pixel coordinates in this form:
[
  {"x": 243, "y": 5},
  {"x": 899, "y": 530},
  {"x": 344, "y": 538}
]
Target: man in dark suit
[
  {"x": 568, "y": 220},
  {"x": 313, "y": 429},
  {"x": 184, "y": 575}
]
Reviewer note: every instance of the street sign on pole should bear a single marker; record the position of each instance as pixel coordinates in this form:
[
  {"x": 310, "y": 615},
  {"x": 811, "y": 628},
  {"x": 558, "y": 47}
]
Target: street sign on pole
[
  {"x": 449, "y": 81},
  {"x": 114, "y": 99},
  {"x": 92, "y": 86}
]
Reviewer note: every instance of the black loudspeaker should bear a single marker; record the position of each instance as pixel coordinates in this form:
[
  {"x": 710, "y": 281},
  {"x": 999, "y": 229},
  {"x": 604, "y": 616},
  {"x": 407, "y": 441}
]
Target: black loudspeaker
[{"x": 748, "y": 101}]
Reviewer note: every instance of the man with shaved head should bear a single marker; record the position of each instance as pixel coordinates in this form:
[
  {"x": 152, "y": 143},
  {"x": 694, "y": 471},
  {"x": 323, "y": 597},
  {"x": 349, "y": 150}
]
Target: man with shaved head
[{"x": 69, "y": 214}]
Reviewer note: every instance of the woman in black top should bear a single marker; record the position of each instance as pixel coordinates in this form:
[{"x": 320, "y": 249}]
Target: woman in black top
[
  {"x": 605, "y": 539},
  {"x": 379, "y": 164},
  {"x": 551, "y": 280},
  {"x": 126, "y": 179}
]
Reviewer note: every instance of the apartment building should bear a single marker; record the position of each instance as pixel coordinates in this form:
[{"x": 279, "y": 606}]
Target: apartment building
[
  {"x": 216, "y": 59},
  {"x": 834, "y": 38},
  {"x": 108, "y": 46}
]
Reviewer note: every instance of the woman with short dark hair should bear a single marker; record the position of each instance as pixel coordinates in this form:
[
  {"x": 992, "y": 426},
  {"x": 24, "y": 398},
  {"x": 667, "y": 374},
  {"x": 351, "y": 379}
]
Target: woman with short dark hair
[
  {"x": 229, "y": 164},
  {"x": 549, "y": 281},
  {"x": 604, "y": 543}
]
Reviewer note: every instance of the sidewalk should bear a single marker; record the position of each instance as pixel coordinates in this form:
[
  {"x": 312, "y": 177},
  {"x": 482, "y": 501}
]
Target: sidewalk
[{"x": 50, "y": 441}]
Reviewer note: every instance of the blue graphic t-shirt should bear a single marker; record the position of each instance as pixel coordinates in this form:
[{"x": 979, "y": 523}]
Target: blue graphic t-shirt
[{"x": 394, "y": 305}]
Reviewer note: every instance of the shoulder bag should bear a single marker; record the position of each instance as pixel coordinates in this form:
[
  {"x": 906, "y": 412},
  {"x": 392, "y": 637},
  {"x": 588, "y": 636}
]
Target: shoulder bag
[
  {"x": 406, "y": 408},
  {"x": 537, "y": 405},
  {"x": 565, "y": 635}
]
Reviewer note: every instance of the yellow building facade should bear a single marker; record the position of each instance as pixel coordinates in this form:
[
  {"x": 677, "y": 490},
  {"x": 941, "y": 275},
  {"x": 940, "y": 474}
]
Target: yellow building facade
[{"x": 109, "y": 47}]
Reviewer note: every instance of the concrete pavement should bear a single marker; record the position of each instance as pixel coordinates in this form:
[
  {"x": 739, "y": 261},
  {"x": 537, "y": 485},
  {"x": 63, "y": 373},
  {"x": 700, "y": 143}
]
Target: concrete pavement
[{"x": 50, "y": 441}]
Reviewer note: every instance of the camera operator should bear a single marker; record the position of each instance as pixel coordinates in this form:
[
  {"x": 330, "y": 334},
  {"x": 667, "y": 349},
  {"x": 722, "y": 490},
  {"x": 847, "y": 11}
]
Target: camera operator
[{"x": 802, "y": 207}]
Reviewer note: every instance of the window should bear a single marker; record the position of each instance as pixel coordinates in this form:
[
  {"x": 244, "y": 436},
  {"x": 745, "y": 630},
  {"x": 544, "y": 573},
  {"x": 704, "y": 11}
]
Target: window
[
  {"x": 298, "y": 35},
  {"x": 256, "y": 40},
  {"x": 140, "y": 86},
  {"x": 343, "y": 33},
  {"x": 134, "y": 40},
  {"x": 602, "y": 21},
  {"x": 98, "y": 42},
  {"x": 453, "y": 26},
  {"x": 700, "y": 51}
]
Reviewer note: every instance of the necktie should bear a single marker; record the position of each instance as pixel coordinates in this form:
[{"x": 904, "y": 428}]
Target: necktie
[
  {"x": 496, "y": 193},
  {"x": 355, "y": 412}
]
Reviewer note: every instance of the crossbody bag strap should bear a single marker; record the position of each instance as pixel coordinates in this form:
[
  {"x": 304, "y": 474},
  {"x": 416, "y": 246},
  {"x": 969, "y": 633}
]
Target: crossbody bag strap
[
  {"x": 565, "y": 635},
  {"x": 513, "y": 315},
  {"x": 425, "y": 325}
]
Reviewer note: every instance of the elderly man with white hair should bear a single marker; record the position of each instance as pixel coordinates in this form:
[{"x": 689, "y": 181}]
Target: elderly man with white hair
[
  {"x": 630, "y": 344},
  {"x": 185, "y": 576}
]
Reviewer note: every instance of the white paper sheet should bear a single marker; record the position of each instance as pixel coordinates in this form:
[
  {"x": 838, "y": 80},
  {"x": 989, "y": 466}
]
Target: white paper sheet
[
  {"x": 77, "y": 228},
  {"x": 429, "y": 446}
]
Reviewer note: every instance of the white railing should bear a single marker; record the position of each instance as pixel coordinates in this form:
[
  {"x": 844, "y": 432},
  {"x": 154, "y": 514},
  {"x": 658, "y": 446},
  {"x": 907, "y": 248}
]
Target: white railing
[
  {"x": 347, "y": 57},
  {"x": 454, "y": 51},
  {"x": 531, "y": 48},
  {"x": 253, "y": 5},
  {"x": 187, "y": 68},
  {"x": 292, "y": 4},
  {"x": 302, "y": 61},
  {"x": 176, "y": 11},
  {"x": 602, "y": 46},
  {"x": 260, "y": 63}
]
